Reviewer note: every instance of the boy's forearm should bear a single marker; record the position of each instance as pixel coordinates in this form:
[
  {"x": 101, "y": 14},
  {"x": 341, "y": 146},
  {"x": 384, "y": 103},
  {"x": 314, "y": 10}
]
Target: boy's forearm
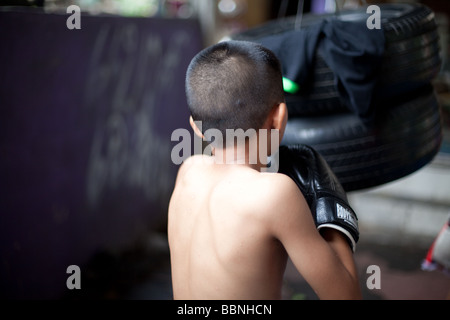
[{"x": 340, "y": 246}]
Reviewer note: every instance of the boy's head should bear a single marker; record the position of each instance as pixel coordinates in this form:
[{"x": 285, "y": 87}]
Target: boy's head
[{"x": 233, "y": 85}]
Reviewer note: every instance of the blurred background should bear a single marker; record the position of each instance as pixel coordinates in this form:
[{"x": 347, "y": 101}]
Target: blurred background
[{"x": 86, "y": 122}]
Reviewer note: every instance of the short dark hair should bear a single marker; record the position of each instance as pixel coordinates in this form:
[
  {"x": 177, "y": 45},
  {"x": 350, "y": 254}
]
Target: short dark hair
[{"x": 233, "y": 85}]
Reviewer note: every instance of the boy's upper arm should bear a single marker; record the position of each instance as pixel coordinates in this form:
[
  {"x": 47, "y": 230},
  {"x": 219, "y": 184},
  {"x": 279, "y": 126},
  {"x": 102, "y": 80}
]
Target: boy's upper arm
[{"x": 294, "y": 227}]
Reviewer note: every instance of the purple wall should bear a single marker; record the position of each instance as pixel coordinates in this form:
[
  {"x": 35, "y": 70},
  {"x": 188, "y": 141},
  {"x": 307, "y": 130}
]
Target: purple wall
[{"x": 86, "y": 118}]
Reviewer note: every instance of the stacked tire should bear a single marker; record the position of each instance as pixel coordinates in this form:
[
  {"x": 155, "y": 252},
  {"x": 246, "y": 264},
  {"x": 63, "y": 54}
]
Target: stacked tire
[{"x": 406, "y": 133}]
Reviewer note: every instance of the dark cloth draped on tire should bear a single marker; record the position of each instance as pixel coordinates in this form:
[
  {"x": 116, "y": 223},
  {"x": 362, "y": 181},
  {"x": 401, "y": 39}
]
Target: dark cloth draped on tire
[{"x": 354, "y": 57}]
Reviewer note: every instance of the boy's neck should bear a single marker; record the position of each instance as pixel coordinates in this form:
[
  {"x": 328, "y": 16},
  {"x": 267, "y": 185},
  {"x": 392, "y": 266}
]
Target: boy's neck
[{"x": 239, "y": 155}]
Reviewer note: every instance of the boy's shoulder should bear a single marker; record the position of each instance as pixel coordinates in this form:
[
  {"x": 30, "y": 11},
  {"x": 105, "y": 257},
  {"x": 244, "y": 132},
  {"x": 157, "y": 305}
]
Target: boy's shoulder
[
  {"x": 270, "y": 181},
  {"x": 200, "y": 162},
  {"x": 265, "y": 185},
  {"x": 278, "y": 185},
  {"x": 197, "y": 159},
  {"x": 196, "y": 162},
  {"x": 264, "y": 194}
]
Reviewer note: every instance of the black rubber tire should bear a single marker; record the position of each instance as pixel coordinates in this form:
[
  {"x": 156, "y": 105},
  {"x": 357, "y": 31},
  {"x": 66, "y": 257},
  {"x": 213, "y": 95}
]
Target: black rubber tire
[
  {"x": 411, "y": 57},
  {"x": 402, "y": 141}
]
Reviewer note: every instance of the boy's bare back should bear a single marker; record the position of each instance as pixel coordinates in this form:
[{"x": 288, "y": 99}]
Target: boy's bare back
[
  {"x": 231, "y": 229},
  {"x": 219, "y": 227}
]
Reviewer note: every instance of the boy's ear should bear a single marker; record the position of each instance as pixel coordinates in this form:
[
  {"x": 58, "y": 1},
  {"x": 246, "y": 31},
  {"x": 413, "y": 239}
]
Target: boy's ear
[
  {"x": 197, "y": 131},
  {"x": 279, "y": 117}
]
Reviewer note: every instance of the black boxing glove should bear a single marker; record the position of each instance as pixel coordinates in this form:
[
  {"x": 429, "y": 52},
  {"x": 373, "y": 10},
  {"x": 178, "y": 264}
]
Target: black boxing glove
[{"x": 322, "y": 190}]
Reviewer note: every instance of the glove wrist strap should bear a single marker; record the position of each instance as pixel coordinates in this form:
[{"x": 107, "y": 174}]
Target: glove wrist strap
[{"x": 332, "y": 213}]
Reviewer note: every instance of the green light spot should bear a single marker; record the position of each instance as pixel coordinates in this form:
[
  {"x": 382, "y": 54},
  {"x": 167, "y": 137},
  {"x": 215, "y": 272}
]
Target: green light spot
[{"x": 290, "y": 86}]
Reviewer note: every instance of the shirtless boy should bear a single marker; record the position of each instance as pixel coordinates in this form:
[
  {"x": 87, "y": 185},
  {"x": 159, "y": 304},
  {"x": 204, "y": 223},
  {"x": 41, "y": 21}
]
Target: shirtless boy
[{"x": 231, "y": 226}]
